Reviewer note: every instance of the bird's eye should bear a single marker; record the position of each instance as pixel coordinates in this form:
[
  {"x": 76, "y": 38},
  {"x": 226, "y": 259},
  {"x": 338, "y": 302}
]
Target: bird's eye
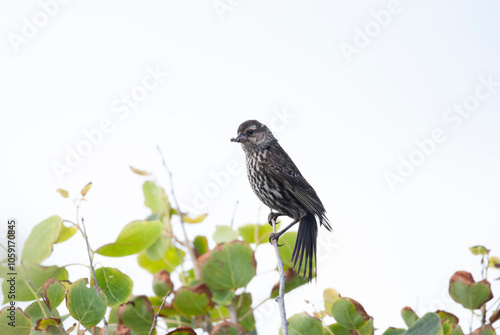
[{"x": 250, "y": 132}]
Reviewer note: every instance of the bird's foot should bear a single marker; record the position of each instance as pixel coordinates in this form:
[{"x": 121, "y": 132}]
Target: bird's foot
[
  {"x": 275, "y": 237},
  {"x": 272, "y": 217}
]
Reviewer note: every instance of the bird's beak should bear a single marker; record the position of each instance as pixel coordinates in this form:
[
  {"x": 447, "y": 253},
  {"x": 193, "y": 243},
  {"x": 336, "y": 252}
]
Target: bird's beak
[{"x": 240, "y": 138}]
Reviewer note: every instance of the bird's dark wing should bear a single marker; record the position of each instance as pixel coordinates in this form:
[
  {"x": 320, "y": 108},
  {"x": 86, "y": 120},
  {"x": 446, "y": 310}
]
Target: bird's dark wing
[{"x": 281, "y": 167}]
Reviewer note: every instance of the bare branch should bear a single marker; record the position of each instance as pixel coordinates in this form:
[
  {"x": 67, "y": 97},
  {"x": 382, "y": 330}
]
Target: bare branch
[
  {"x": 155, "y": 317},
  {"x": 191, "y": 251},
  {"x": 234, "y": 212},
  {"x": 280, "y": 299},
  {"x": 93, "y": 272}
]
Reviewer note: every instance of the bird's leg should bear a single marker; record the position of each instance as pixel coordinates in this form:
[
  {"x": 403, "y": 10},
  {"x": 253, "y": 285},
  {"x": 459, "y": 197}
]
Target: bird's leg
[
  {"x": 276, "y": 236},
  {"x": 273, "y": 216}
]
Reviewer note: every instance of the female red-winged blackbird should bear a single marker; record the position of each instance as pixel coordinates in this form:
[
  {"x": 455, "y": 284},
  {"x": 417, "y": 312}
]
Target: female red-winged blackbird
[{"x": 279, "y": 185}]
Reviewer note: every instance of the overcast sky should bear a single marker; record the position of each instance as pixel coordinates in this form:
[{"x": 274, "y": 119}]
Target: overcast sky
[{"x": 390, "y": 109}]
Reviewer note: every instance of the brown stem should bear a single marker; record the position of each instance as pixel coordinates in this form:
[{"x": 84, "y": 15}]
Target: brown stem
[{"x": 155, "y": 317}]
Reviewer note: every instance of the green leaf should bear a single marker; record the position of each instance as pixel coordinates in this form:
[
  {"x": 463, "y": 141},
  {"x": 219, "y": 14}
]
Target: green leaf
[
  {"x": 429, "y": 324},
  {"x": 54, "y": 292},
  {"x": 156, "y": 250},
  {"x": 304, "y": 324},
  {"x": 479, "y": 250},
  {"x": 367, "y": 329},
  {"x": 134, "y": 237},
  {"x": 250, "y": 231},
  {"x": 115, "y": 284},
  {"x": 38, "y": 245},
  {"x": 18, "y": 318},
  {"x": 349, "y": 313},
  {"x": 183, "y": 330},
  {"x": 243, "y": 307},
  {"x": 162, "y": 285},
  {"x": 66, "y": 233},
  {"x": 468, "y": 293},
  {"x": 173, "y": 257},
  {"x": 191, "y": 301},
  {"x": 484, "y": 330},
  {"x": 225, "y": 328},
  {"x": 224, "y": 234},
  {"x": 200, "y": 244},
  {"x": 292, "y": 281},
  {"x": 223, "y": 298},
  {"x": 329, "y": 296},
  {"x": 84, "y": 305},
  {"x": 38, "y": 273},
  {"x": 155, "y": 198},
  {"x": 336, "y": 329},
  {"x": 137, "y": 314},
  {"x": 228, "y": 266},
  {"x": 394, "y": 331},
  {"x": 409, "y": 316}
]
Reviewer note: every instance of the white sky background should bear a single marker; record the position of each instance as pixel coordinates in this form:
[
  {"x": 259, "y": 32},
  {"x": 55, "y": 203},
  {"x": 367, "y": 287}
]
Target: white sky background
[{"x": 348, "y": 124}]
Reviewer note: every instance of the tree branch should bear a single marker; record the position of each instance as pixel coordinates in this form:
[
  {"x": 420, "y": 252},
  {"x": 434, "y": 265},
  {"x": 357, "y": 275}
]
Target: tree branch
[
  {"x": 192, "y": 254},
  {"x": 93, "y": 273},
  {"x": 280, "y": 299},
  {"x": 155, "y": 317}
]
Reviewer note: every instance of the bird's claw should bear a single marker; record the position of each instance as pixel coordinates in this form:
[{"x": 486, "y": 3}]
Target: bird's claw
[
  {"x": 272, "y": 217},
  {"x": 275, "y": 237}
]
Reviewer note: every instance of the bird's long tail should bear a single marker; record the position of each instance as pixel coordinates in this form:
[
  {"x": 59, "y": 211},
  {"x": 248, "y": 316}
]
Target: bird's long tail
[{"x": 305, "y": 246}]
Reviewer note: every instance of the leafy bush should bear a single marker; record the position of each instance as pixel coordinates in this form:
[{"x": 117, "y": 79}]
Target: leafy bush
[{"x": 211, "y": 291}]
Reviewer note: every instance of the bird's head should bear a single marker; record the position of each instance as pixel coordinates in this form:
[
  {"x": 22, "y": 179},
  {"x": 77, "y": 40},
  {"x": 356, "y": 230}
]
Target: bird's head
[{"x": 253, "y": 135}]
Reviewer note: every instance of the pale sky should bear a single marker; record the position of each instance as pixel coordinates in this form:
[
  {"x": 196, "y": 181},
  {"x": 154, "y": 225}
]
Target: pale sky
[{"x": 389, "y": 109}]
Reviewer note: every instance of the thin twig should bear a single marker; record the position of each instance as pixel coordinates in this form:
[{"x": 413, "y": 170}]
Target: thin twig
[
  {"x": 43, "y": 298},
  {"x": 93, "y": 272},
  {"x": 233, "y": 316},
  {"x": 155, "y": 317},
  {"x": 234, "y": 212},
  {"x": 192, "y": 254},
  {"x": 280, "y": 299}
]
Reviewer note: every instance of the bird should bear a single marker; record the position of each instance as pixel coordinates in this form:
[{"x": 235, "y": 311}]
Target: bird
[{"x": 278, "y": 183}]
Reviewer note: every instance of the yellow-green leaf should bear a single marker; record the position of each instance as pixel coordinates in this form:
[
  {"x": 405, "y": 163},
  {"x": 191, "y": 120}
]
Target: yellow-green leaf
[
  {"x": 134, "y": 237},
  {"x": 85, "y": 189},
  {"x": 197, "y": 219},
  {"x": 329, "y": 296},
  {"x": 62, "y": 192},
  {"x": 38, "y": 245},
  {"x": 45, "y": 323},
  {"x": 494, "y": 262},
  {"x": 139, "y": 172}
]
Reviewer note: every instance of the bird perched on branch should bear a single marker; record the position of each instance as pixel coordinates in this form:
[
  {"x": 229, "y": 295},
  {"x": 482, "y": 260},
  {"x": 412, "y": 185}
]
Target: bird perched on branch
[{"x": 279, "y": 185}]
